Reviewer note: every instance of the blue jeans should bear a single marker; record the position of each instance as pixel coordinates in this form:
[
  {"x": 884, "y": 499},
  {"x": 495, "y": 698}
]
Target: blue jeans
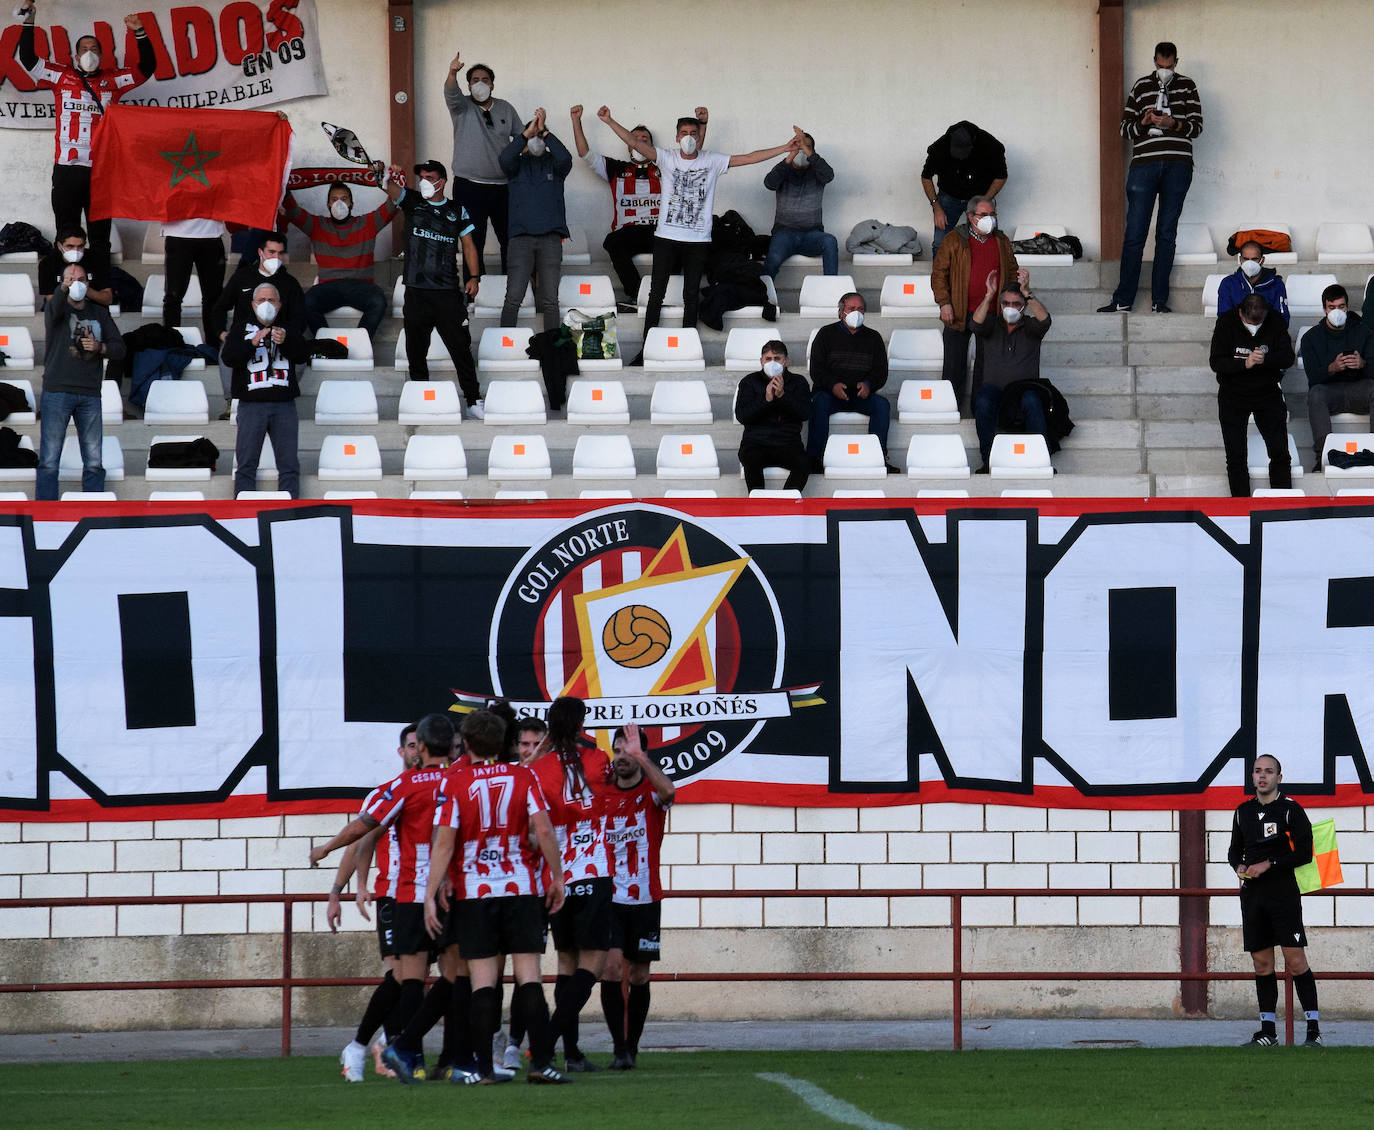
[
  {"x": 277, "y": 419},
  {"x": 953, "y": 209},
  {"x": 323, "y": 297},
  {"x": 986, "y": 406},
  {"x": 58, "y": 408},
  {"x": 788, "y": 242},
  {"x": 1147, "y": 180},
  {"x": 824, "y": 405}
]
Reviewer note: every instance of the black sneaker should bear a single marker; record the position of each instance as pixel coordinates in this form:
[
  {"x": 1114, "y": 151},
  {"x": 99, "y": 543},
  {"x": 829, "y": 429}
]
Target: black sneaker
[
  {"x": 983, "y": 470},
  {"x": 549, "y": 1075},
  {"x": 1261, "y": 1039},
  {"x": 770, "y": 312},
  {"x": 623, "y": 307},
  {"x": 636, "y": 362},
  {"x": 1159, "y": 308},
  {"x": 1314, "y": 1038},
  {"x": 579, "y": 1065},
  {"x": 891, "y": 470},
  {"x": 1114, "y": 308},
  {"x": 623, "y": 1061}
]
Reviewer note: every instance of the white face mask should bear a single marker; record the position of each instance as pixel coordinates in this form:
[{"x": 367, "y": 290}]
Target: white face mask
[
  {"x": 854, "y": 319},
  {"x": 77, "y": 291},
  {"x": 88, "y": 61},
  {"x": 772, "y": 368},
  {"x": 481, "y": 91},
  {"x": 1336, "y": 318},
  {"x": 73, "y": 255},
  {"x": 428, "y": 189},
  {"x": 340, "y": 209},
  {"x": 1164, "y": 74},
  {"x": 688, "y": 144},
  {"x": 265, "y": 311},
  {"x": 537, "y": 147},
  {"x": 986, "y": 224},
  {"x": 800, "y": 161},
  {"x": 271, "y": 266},
  {"x": 1253, "y": 330},
  {"x": 1011, "y": 314},
  {"x": 1251, "y": 267}
]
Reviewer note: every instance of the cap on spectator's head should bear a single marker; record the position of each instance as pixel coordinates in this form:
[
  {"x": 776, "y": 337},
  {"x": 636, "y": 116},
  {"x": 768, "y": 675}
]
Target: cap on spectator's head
[
  {"x": 435, "y": 167},
  {"x": 960, "y": 144}
]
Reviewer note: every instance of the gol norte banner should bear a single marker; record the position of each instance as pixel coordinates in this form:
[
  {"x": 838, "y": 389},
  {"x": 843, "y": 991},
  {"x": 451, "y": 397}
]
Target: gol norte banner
[
  {"x": 238, "y": 55},
  {"x": 231, "y": 659}
]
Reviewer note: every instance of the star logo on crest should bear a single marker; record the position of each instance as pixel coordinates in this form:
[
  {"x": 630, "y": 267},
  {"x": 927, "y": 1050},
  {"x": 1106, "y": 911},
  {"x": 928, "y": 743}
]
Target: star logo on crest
[{"x": 189, "y": 161}]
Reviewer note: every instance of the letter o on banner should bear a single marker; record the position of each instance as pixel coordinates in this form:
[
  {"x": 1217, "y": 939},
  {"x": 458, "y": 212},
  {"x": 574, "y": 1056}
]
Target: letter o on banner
[
  {"x": 89, "y": 644},
  {"x": 1207, "y": 585}
]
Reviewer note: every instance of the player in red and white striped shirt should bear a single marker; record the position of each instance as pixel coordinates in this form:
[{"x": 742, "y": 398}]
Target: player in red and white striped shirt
[
  {"x": 488, "y": 814},
  {"x": 636, "y": 802}
]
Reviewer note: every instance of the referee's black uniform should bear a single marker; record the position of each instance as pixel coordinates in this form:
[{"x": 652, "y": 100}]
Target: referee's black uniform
[{"x": 1271, "y": 905}]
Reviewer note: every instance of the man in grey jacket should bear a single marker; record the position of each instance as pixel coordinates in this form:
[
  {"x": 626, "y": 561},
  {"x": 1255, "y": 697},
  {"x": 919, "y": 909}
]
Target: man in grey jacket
[
  {"x": 799, "y": 179},
  {"x": 482, "y": 127},
  {"x": 81, "y": 334}
]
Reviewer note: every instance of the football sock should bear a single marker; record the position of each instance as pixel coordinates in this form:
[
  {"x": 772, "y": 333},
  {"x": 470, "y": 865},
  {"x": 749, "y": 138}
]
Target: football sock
[
  {"x": 484, "y": 1017},
  {"x": 430, "y": 1012},
  {"x": 579, "y": 992},
  {"x": 1267, "y": 991},
  {"x": 639, "y": 1012},
  {"x": 457, "y": 1039},
  {"x": 382, "y": 1001},
  {"x": 1305, "y": 985},
  {"x": 613, "y": 1008},
  {"x": 561, "y": 984},
  {"x": 407, "y": 1005},
  {"x": 529, "y": 1000}
]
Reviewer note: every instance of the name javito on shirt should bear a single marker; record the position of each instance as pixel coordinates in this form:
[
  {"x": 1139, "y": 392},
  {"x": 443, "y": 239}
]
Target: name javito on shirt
[{"x": 489, "y": 806}]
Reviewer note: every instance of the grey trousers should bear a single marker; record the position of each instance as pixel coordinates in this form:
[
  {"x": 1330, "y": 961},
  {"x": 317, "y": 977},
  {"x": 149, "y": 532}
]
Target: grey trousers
[
  {"x": 537, "y": 257},
  {"x": 1335, "y": 396}
]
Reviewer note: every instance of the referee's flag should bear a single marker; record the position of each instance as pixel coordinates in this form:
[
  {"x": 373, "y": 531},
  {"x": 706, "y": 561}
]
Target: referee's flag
[{"x": 1325, "y": 868}]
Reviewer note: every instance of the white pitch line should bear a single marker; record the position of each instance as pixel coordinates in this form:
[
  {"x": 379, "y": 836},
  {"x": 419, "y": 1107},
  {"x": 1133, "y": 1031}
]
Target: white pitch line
[{"x": 823, "y": 1102}]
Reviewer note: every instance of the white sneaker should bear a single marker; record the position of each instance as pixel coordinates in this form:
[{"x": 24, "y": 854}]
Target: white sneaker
[
  {"x": 510, "y": 1059},
  {"x": 353, "y": 1057},
  {"x": 477, "y": 410}
]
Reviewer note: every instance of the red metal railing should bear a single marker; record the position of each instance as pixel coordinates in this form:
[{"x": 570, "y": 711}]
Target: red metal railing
[{"x": 956, "y": 975}]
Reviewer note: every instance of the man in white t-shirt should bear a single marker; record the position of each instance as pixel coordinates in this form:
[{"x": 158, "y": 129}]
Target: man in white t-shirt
[{"x": 683, "y": 238}]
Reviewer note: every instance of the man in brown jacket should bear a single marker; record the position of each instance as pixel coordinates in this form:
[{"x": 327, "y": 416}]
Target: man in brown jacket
[{"x": 959, "y": 279}]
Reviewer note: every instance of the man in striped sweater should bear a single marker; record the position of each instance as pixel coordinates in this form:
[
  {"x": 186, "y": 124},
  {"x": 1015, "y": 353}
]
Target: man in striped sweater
[{"x": 1162, "y": 116}]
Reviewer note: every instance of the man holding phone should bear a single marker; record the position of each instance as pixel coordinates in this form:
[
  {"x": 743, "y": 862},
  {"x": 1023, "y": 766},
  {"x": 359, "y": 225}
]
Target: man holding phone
[{"x": 1335, "y": 356}]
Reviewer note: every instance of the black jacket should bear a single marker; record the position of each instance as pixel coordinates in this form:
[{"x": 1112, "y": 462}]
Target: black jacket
[
  {"x": 1057, "y": 422},
  {"x": 235, "y": 302},
  {"x": 776, "y": 423},
  {"x": 1279, "y": 832},
  {"x": 1232, "y": 344}
]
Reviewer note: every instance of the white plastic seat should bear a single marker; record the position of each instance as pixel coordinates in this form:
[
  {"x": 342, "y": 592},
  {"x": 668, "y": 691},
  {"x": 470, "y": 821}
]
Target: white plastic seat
[
  {"x": 858, "y": 494},
  {"x": 854, "y": 457},
  {"x": 687, "y": 457},
  {"x": 491, "y": 298},
  {"x": 519, "y": 457},
  {"x": 1278, "y": 492},
  {"x": 1020, "y": 457},
  {"x": 776, "y": 492},
  {"x": 89, "y": 496},
  {"x": 111, "y": 404},
  {"x": 30, "y": 416},
  {"x": 1194, "y": 246},
  {"x": 116, "y": 245},
  {"x": 575, "y": 252},
  {"x": 1297, "y": 347},
  {"x": 111, "y": 455},
  {"x": 350, "y": 457},
  {"x": 176, "y": 402},
  {"x": 603, "y": 457},
  {"x": 437, "y": 355},
  {"x": 345, "y": 495},
  {"x": 1355, "y": 492},
  {"x": 672, "y": 298},
  {"x": 820, "y": 295},
  {"x": 938, "y": 456},
  {"x": 1258, "y": 458},
  {"x": 345, "y": 317},
  {"x": 591, "y": 401},
  {"x": 927, "y": 402},
  {"x": 520, "y": 495},
  {"x": 588, "y": 293},
  {"x": 945, "y": 492},
  {"x": 744, "y": 347},
  {"x": 755, "y": 313},
  {"x": 1305, "y": 294},
  {"x": 20, "y": 474},
  {"x": 398, "y": 297},
  {"x": 882, "y": 258},
  {"x": 155, "y": 290},
  {"x": 1034, "y": 492},
  {"x": 174, "y": 474},
  {"x": 690, "y": 494},
  {"x": 17, "y": 344},
  {"x": 154, "y": 246},
  {"x": 920, "y": 351},
  {"x": 267, "y": 466},
  {"x": 176, "y": 496},
  {"x": 1211, "y": 292},
  {"x": 18, "y": 257},
  {"x": 359, "y": 343},
  {"x": 436, "y": 494},
  {"x": 1349, "y": 442},
  {"x": 345, "y": 402},
  {"x": 501, "y": 349},
  {"x": 1344, "y": 243},
  {"x": 909, "y": 296},
  {"x": 515, "y": 402},
  {"x": 262, "y": 495},
  {"x": 1030, "y": 231},
  {"x": 668, "y": 350},
  {"x": 1274, "y": 258},
  {"x": 191, "y": 335},
  {"x": 16, "y": 297},
  {"x": 675, "y": 403},
  {"x": 429, "y": 402},
  {"x": 606, "y": 494}
]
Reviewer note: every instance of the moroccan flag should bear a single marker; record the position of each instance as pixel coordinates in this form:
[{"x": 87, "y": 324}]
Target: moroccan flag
[
  {"x": 1325, "y": 868},
  {"x": 150, "y": 163}
]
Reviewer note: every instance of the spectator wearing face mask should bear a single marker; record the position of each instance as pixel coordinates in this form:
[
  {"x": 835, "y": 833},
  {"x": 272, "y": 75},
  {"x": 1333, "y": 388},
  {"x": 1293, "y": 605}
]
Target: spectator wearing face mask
[
  {"x": 83, "y": 92},
  {"x": 1250, "y": 351},
  {"x": 344, "y": 245},
  {"x": 71, "y": 248},
  {"x": 966, "y": 257},
  {"x": 482, "y": 127},
  {"x": 1253, "y": 277},
  {"x": 1337, "y": 356},
  {"x": 1012, "y": 322},
  {"x": 263, "y": 348},
  {"x": 799, "y": 179},
  {"x": 848, "y": 368},
  {"x": 683, "y": 239},
  {"x": 772, "y": 404},
  {"x": 961, "y": 163},
  {"x": 536, "y": 164}
]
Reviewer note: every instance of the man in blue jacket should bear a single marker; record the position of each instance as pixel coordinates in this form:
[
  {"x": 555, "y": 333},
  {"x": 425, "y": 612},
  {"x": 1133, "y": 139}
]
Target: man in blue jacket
[
  {"x": 536, "y": 164},
  {"x": 1253, "y": 277}
]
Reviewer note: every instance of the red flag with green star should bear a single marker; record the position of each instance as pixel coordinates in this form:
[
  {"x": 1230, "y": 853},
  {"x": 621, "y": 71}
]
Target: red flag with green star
[{"x": 150, "y": 163}]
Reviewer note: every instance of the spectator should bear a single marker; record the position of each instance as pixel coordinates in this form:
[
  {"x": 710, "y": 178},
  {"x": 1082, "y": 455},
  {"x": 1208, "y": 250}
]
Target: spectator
[
  {"x": 1162, "y": 116},
  {"x": 264, "y": 349},
  {"x": 536, "y": 164},
  {"x": 71, "y": 248},
  {"x": 81, "y": 334},
  {"x": 1253, "y": 277},
  {"x": 345, "y": 248},
  {"x": 1250, "y": 351},
  {"x": 1336, "y": 356},
  {"x": 1011, "y": 358},
  {"x": 848, "y": 367},
  {"x": 683, "y": 240},
  {"x": 187, "y": 244},
  {"x": 772, "y": 404},
  {"x": 482, "y": 127},
  {"x": 435, "y": 229},
  {"x": 799, "y": 179},
  {"x": 957, "y": 280},
  {"x": 962, "y": 163},
  {"x": 83, "y": 92}
]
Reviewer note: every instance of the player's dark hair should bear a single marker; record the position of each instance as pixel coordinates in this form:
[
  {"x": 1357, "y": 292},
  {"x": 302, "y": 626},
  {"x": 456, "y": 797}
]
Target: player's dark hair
[
  {"x": 67, "y": 231},
  {"x": 525, "y": 725},
  {"x": 406, "y": 733},
  {"x": 435, "y": 733},
  {"x": 503, "y": 710},
  {"x": 484, "y": 733},
  {"x": 1166, "y": 49},
  {"x": 566, "y": 715}
]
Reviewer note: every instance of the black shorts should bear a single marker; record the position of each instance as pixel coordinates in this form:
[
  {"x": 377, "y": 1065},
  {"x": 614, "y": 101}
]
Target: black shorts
[
  {"x": 512, "y": 924},
  {"x": 584, "y": 923},
  {"x": 448, "y": 928},
  {"x": 385, "y": 911},
  {"x": 635, "y": 928},
  {"x": 408, "y": 933},
  {"x": 1271, "y": 918}
]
